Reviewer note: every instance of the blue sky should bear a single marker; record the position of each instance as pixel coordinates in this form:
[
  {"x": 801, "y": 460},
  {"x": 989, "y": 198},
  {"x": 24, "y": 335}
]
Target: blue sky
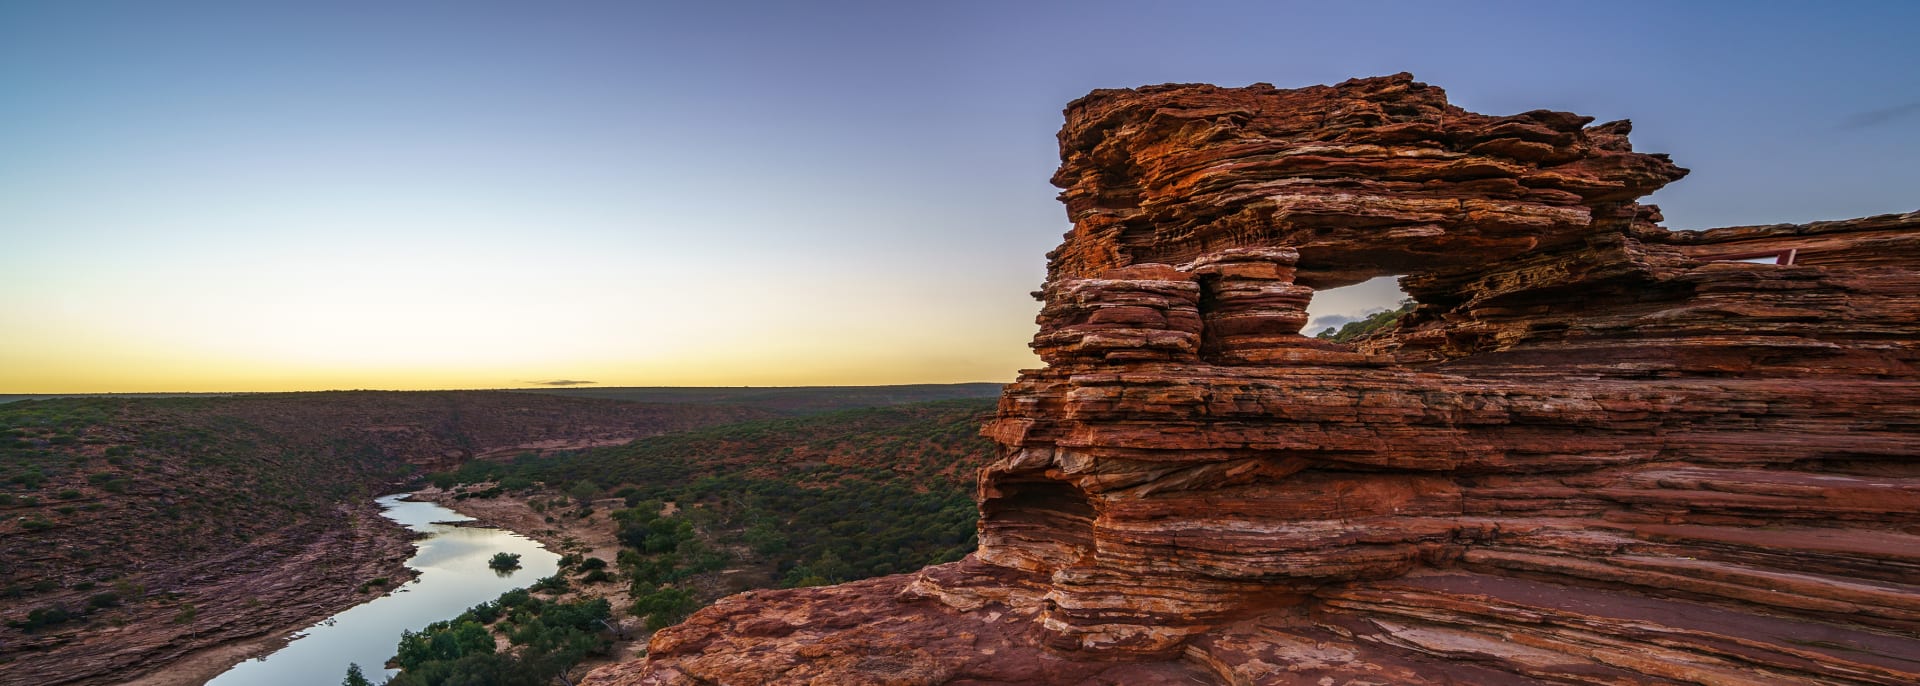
[{"x": 245, "y": 196}]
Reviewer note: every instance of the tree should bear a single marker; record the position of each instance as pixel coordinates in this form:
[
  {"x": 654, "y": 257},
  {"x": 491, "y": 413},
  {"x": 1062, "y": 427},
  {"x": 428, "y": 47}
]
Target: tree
[
  {"x": 354, "y": 677},
  {"x": 1378, "y": 321},
  {"x": 664, "y": 606},
  {"x": 504, "y": 561},
  {"x": 583, "y": 491}
]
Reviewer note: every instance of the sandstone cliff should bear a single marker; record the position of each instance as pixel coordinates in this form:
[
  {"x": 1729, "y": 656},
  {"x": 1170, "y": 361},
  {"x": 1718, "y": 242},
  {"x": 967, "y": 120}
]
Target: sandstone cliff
[{"x": 1597, "y": 451}]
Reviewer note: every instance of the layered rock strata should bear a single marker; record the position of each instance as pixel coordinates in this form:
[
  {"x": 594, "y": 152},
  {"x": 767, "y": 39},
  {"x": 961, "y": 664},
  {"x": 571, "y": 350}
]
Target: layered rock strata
[{"x": 1597, "y": 451}]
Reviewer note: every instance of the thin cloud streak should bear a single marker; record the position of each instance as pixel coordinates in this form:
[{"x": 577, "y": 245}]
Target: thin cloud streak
[{"x": 1880, "y": 117}]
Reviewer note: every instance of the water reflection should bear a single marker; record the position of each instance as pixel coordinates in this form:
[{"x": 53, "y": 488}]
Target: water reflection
[{"x": 453, "y": 577}]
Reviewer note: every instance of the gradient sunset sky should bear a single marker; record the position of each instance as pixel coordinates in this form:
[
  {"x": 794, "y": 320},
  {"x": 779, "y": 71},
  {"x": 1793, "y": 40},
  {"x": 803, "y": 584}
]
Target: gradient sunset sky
[{"x": 291, "y": 196}]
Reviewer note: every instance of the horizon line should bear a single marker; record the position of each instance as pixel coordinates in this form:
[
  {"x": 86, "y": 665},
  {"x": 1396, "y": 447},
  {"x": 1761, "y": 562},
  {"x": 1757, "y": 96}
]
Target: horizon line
[{"x": 535, "y": 387}]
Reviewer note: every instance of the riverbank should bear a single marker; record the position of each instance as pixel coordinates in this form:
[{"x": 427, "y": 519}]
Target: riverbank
[
  {"x": 592, "y": 536},
  {"x": 184, "y": 626},
  {"x": 453, "y": 563}
]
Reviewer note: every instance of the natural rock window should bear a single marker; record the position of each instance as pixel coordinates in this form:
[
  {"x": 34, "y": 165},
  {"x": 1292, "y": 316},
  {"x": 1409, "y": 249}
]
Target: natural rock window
[
  {"x": 1346, "y": 313},
  {"x": 1782, "y": 256},
  {"x": 1588, "y": 435}
]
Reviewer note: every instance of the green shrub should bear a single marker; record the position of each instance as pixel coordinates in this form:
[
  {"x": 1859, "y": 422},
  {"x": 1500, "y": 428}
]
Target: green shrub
[
  {"x": 664, "y": 607},
  {"x": 354, "y": 676},
  {"x": 551, "y": 584},
  {"x": 1376, "y": 322},
  {"x": 442, "y": 641},
  {"x": 552, "y": 637},
  {"x": 583, "y": 491},
  {"x": 504, "y": 561},
  {"x": 40, "y": 618},
  {"x": 485, "y": 612}
]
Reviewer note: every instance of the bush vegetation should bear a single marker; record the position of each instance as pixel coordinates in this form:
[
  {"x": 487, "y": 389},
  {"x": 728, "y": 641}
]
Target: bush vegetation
[
  {"x": 504, "y": 561},
  {"x": 547, "y": 638},
  {"x": 820, "y": 499},
  {"x": 1376, "y": 322},
  {"x": 815, "y": 500},
  {"x": 40, "y": 618}
]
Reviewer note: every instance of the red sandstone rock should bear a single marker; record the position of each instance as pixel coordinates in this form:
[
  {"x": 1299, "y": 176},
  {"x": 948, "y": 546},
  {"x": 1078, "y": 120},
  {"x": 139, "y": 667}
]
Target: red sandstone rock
[{"x": 1596, "y": 452}]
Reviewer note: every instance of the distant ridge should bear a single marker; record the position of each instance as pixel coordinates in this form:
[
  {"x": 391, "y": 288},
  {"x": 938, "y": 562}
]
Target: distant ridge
[
  {"x": 17, "y": 397},
  {"x": 794, "y": 400},
  {"x": 786, "y": 399}
]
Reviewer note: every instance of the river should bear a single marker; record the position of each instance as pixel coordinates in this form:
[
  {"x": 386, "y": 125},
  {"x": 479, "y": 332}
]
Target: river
[{"x": 454, "y": 576}]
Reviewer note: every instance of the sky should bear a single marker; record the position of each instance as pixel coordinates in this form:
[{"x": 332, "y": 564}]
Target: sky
[{"x": 248, "y": 196}]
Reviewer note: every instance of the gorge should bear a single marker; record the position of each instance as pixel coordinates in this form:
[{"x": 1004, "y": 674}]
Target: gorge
[
  {"x": 162, "y": 540},
  {"x": 452, "y": 575},
  {"x": 1595, "y": 451}
]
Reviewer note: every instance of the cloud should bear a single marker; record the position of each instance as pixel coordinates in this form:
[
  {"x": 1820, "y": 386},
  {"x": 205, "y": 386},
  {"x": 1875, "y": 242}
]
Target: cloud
[
  {"x": 1334, "y": 321},
  {"x": 562, "y": 382},
  {"x": 1873, "y": 118}
]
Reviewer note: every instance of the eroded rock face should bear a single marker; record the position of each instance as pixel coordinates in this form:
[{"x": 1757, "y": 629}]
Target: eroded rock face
[{"x": 1596, "y": 452}]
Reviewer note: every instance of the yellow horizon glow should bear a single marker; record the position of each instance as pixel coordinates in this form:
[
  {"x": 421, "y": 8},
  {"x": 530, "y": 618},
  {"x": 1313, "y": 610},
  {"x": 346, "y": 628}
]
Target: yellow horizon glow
[
  {"x": 156, "y": 374},
  {"x": 360, "y": 312},
  {"x": 95, "y": 361}
]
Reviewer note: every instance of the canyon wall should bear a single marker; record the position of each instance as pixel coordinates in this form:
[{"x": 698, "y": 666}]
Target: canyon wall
[{"x": 1595, "y": 451}]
